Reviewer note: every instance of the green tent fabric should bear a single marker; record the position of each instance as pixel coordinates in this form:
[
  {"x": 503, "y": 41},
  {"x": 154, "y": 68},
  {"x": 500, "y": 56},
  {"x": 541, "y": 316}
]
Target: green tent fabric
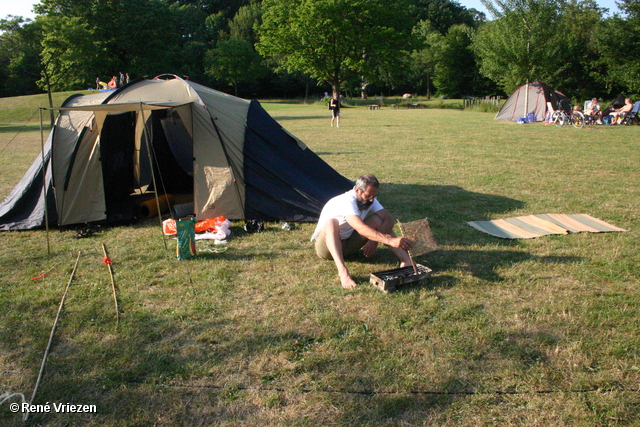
[{"x": 531, "y": 226}]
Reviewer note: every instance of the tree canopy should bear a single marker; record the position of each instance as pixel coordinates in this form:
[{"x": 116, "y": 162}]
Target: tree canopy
[
  {"x": 265, "y": 48},
  {"x": 522, "y": 44},
  {"x": 618, "y": 41},
  {"x": 335, "y": 40}
]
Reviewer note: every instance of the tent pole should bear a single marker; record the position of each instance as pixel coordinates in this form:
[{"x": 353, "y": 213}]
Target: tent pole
[
  {"x": 44, "y": 185},
  {"x": 526, "y": 100},
  {"x": 153, "y": 176}
]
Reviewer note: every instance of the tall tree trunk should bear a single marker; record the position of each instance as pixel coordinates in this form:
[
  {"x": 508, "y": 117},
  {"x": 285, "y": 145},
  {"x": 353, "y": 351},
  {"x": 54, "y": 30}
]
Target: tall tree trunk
[{"x": 50, "y": 96}]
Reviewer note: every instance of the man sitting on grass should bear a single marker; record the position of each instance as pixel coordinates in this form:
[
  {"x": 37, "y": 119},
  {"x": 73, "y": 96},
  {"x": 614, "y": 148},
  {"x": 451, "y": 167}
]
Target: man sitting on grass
[{"x": 355, "y": 220}]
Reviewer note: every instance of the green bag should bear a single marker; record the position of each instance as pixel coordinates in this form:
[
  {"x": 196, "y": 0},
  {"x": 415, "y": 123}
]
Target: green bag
[{"x": 186, "y": 247}]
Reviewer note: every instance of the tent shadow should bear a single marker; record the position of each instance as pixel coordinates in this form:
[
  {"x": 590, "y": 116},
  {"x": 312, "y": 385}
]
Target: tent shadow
[
  {"x": 14, "y": 128},
  {"x": 484, "y": 265},
  {"x": 283, "y": 118},
  {"x": 447, "y": 209},
  {"x": 445, "y": 201},
  {"x": 336, "y": 153}
]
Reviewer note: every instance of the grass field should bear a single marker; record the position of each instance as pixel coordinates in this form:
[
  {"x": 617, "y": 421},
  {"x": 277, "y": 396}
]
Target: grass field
[{"x": 540, "y": 332}]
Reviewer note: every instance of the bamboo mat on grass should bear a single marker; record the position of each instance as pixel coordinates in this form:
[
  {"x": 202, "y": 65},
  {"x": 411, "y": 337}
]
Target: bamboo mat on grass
[{"x": 531, "y": 226}]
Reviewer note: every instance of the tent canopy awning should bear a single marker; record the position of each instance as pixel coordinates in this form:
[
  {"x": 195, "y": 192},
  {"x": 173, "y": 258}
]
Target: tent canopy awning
[{"x": 123, "y": 107}]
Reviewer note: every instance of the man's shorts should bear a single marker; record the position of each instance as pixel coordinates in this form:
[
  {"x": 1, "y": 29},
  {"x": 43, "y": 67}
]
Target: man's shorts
[{"x": 350, "y": 246}]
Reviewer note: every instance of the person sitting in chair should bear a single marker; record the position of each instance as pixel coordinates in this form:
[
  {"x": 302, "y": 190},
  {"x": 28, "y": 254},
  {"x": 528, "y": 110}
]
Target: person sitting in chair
[
  {"x": 619, "y": 113},
  {"x": 594, "y": 111}
]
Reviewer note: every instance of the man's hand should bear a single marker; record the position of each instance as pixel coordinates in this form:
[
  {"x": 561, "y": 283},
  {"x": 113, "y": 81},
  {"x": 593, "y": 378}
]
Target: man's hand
[
  {"x": 401, "y": 243},
  {"x": 370, "y": 248}
]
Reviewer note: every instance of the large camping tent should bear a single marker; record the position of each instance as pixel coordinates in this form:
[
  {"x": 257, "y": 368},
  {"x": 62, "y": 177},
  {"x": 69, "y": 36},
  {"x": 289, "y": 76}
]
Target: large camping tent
[
  {"x": 167, "y": 135},
  {"x": 520, "y": 103}
]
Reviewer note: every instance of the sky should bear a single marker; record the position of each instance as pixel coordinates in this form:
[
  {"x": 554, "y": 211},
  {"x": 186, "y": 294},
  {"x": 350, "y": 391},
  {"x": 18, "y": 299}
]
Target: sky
[
  {"x": 477, "y": 4},
  {"x": 17, "y": 8},
  {"x": 23, "y": 7}
]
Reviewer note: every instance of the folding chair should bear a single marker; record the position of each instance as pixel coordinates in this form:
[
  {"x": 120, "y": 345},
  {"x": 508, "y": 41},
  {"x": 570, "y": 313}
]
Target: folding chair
[{"x": 631, "y": 118}]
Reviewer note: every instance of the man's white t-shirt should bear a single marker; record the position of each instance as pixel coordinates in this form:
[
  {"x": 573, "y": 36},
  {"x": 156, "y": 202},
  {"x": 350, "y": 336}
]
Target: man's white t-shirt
[{"x": 340, "y": 207}]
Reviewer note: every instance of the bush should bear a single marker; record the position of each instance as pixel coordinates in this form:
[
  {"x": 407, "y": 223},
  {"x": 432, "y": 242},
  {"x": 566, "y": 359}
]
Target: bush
[{"x": 483, "y": 108}]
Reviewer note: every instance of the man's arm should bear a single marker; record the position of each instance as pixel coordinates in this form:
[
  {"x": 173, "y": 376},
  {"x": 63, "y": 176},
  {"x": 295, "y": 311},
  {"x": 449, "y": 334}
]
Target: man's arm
[{"x": 381, "y": 237}]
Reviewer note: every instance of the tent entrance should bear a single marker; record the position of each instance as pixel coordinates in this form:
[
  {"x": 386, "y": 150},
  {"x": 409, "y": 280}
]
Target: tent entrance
[{"x": 126, "y": 166}]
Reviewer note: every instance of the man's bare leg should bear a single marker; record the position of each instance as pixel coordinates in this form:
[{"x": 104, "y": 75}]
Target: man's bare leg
[{"x": 334, "y": 245}]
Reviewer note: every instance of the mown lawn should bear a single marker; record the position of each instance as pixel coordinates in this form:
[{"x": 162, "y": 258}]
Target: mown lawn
[{"x": 540, "y": 332}]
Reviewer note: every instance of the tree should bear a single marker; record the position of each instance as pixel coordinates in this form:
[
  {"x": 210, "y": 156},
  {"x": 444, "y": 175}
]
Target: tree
[
  {"x": 522, "y": 44},
  {"x": 234, "y": 61},
  {"x": 443, "y": 14},
  {"x": 136, "y": 36},
  {"x": 618, "y": 43},
  {"x": 244, "y": 23},
  {"x": 225, "y": 8},
  {"x": 65, "y": 42},
  {"x": 334, "y": 41},
  {"x": 579, "y": 22},
  {"x": 19, "y": 56},
  {"x": 456, "y": 70},
  {"x": 195, "y": 38},
  {"x": 424, "y": 60}
]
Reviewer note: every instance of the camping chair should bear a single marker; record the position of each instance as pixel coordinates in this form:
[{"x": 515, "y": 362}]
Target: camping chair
[{"x": 631, "y": 118}]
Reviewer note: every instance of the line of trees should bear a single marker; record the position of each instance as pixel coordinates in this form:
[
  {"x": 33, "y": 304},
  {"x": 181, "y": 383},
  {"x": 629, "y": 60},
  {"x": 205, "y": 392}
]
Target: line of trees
[{"x": 290, "y": 48}]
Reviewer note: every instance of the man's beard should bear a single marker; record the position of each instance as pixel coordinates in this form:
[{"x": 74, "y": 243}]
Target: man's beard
[{"x": 363, "y": 206}]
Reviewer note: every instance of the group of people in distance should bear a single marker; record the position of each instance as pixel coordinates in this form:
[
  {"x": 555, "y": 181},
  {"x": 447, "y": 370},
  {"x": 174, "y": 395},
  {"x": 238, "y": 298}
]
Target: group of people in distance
[
  {"x": 114, "y": 83},
  {"x": 595, "y": 112}
]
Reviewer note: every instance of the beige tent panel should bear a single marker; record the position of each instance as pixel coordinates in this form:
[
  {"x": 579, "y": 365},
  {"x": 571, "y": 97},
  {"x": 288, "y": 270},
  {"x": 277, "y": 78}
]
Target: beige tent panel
[
  {"x": 228, "y": 113},
  {"x": 223, "y": 195},
  {"x": 212, "y": 171},
  {"x": 79, "y": 198},
  {"x": 83, "y": 199}
]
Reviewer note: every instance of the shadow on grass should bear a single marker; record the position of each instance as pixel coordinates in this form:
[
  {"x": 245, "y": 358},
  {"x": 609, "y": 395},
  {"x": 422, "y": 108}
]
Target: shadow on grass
[
  {"x": 15, "y": 128},
  {"x": 447, "y": 208},
  {"x": 283, "y": 118},
  {"x": 484, "y": 264},
  {"x": 338, "y": 153}
]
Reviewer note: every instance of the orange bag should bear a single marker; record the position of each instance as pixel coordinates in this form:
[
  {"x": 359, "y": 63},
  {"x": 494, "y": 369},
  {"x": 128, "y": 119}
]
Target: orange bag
[
  {"x": 209, "y": 224},
  {"x": 169, "y": 227}
]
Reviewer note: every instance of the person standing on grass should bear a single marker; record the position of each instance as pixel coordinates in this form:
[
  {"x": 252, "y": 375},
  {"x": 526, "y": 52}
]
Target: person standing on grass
[
  {"x": 334, "y": 106},
  {"x": 356, "y": 220}
]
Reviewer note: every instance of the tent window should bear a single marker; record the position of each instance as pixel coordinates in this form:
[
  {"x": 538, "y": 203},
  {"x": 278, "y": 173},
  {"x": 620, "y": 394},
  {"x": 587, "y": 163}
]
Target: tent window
[{"x": 179, "y": 140}]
